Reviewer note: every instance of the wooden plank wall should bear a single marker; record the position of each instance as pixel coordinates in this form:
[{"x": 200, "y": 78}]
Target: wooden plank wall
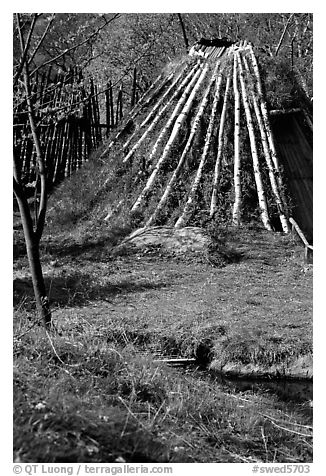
[{"x": 296, "y": 155}]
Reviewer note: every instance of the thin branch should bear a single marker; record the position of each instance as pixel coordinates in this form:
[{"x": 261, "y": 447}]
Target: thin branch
[
  {"x": 35, "y": 323},
  {"x": 283, "y": 34},
  {"x": 89, "y": 60},
  {"x": 67, "y": 50},
  {"x": 36, "y": 95},
  {"x": 24, "y": 47},
  {"x": 81, "y": 101},
  {"x": 290, "y": 431},
  {"x": 36, "y": 140},
  {"x": 56, "y": 353},
  {"x": 18, "y": 189},
  {"x": 42, "y": 38},
  {"x": 291, "y": 423},
  {"x": 130, "y": 412},
  {"x": 23, "y": 204}
]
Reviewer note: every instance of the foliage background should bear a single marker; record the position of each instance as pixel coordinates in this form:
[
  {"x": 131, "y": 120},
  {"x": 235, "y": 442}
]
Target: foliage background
[{"x": 150, "y": 40}]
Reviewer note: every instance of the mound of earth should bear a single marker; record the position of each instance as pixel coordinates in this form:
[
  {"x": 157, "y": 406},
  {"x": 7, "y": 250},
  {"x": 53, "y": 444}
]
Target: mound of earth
[{"x": 188, "y": 242}]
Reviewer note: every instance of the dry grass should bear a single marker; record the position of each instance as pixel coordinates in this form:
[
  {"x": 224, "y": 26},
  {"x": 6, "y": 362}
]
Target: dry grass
[
  {"x": 92, "y": 391},
  {"x": 256, "y": 311},
  {"x": 95, "y": 393},
  {"x": 82, "y": 399}
]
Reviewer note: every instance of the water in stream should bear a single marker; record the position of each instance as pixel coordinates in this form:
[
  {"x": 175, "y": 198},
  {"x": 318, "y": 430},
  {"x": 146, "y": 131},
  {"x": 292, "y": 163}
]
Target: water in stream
[{"x": 295, "y": 394}]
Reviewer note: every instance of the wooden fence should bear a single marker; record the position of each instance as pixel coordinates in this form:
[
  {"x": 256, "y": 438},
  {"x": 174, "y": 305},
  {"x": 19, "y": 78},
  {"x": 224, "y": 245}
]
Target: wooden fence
[
  {"x": 308, "y": 249},
  {"x": 73, "y": 117}
]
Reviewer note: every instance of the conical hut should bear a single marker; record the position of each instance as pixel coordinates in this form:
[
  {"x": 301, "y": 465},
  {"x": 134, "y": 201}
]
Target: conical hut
[{"x": 199, "y": 146}]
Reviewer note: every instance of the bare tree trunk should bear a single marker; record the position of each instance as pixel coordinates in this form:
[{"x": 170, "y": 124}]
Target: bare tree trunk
[
  {"x": 272, "y": 178},
  {"x": 146, "y": 103},
  {"x": 134, "y": 87},
  {"x": 220, "y": 148},
  {"x": 175, "y": 112},
  {"x": 32, "y": 238},
  {"x": 183, "y": 31},
  {"x": 237, "y": 174},
  {"x": 283, "y": 34},
  {"x": 32, "y": 247},
  {"x": 148, "y": 160},
  {"x": 263, "y": 107},
  {"x": 268, "y": 129},
  {"x": 184, "y": 216},
  {"x": 254, "y": 153},
  {"x": 157, "y": 117},
  {"x": 177, "y": 126},
  {"x": 188, "y": 145},
  {"x": 133, "y": 113}
]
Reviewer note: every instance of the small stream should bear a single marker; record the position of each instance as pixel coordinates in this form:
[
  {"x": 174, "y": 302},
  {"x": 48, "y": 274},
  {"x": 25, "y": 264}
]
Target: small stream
[
  {"x": 288, "y": 390},
  {"x": 295, "y": 394}
]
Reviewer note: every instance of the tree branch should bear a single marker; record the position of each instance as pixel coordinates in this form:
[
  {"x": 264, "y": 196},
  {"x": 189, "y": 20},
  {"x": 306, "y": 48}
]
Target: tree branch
[
  {"x": 283, "y": 34},
  {"x": 40, "y": 159},
  {"x": 41, "y": 39},
  {"x": 23, "y": 205},
  {"x": 67, "y": 50},
  {"x": 126, "y": 72},
  {"x": 25, "y": 47}
]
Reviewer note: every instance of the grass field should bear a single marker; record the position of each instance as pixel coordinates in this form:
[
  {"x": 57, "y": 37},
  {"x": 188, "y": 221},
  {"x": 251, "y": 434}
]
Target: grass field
[{"x": 94, "y": 391}]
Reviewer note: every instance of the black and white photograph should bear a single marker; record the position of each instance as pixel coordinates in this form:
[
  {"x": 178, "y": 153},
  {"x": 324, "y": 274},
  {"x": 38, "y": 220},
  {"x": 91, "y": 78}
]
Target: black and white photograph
[{"x": 162, "y": 242}]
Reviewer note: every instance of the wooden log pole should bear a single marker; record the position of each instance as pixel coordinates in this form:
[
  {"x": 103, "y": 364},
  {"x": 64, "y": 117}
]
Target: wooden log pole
[
  {"x": 254, "y": 154},
  {"x": 111, "y": 105},
  {"x": 133, "y": 113},
  {"x": 219, "y": 149},
  {"x": 186, "y": 150},
  {"x": 118, "y": 107},
  {"x": 97, "y": 117},
  {"x": 182, "y": 220},
  {"x": 236, "y": 214},
  {"x": 268, "y": 129},
  {"x": 195, "y": 72},
  {"x": 154, "y": 110},
  {"x": 159, "y": 114},
  {"x": 268, "y": 159},
  {"x": 174, "y": 134},
  {"x": 133, "y": 90},
  {"x": 107, "y": 111}
]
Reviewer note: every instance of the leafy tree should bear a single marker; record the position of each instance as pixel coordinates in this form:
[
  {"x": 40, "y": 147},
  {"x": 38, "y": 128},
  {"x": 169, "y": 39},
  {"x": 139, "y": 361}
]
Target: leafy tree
[
  {"x": 35, "y": 46},
  {"x": 32, "y": 234}
]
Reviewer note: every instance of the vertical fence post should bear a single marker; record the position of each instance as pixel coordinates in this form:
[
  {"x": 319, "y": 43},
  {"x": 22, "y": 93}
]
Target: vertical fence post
[
  {"x": 118, "y": 114},
  {"x": 97, "y": 117},
  {"x": 107, "y": 110},
  {"x": 111, "y": 105},
  {"x": 66, "y": 141},
  {"x": 133, "y": 91},
  {"x": 121, "y": 103}
]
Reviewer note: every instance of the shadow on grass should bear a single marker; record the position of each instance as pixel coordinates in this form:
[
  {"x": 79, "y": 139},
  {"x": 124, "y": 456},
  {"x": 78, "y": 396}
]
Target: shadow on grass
[
  {"x": 89, "y": 245},
  {"x": 77, "y": 290},
  {"x": 92, "y": 249}
]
